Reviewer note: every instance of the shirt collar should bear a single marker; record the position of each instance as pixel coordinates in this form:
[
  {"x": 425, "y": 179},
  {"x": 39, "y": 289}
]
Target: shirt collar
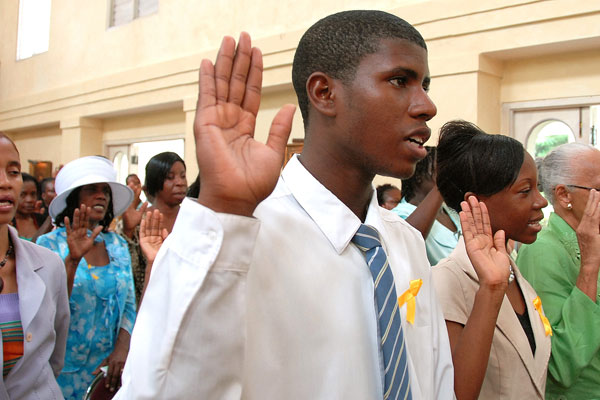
[{"x": 337, "y": 222}]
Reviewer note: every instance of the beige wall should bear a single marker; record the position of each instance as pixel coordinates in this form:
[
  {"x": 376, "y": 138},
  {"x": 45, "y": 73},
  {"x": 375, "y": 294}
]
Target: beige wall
[
  {"x": 568, "y": 74},
  {"x": 139, "y": 81},
  {"x": 42, "y": 144},
  {"x": 156, "y": 125}
]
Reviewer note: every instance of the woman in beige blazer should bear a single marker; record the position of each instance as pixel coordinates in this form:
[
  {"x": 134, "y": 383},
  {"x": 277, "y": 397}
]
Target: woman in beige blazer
[
  {"x": 34, "y": 308},
  {"x": 498, "y": 333}
]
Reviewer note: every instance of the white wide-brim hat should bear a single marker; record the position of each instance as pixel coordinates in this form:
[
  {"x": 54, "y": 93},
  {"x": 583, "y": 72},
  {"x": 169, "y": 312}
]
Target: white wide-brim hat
[{"x": 86, "y": 171}]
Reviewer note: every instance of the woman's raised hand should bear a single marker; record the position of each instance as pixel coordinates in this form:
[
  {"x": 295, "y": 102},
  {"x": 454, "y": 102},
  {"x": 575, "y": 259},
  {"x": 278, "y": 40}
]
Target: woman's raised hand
[
  {"x": 152, "y": 234},
  {"x": 132, "y": 217},
  {"x": 588, "y": 231},
  {"x": 487, "y": 252},
  {"x": 236, "y": 171},
  {"x": 77, "y": 238},
  {"x": 588, "y": 237}
]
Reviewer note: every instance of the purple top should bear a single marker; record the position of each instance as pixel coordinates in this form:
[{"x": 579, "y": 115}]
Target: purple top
[{"x": 9, "y": 307}]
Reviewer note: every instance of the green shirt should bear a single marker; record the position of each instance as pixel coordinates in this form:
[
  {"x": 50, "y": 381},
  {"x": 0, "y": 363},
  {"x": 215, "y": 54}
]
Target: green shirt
[{"x": 551, "y": 265}]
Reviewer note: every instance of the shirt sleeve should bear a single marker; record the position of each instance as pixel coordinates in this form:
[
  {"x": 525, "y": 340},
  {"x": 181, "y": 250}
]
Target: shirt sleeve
[
  {"x": 574, "y": 317},
  {"x": 188, "y": 341}
]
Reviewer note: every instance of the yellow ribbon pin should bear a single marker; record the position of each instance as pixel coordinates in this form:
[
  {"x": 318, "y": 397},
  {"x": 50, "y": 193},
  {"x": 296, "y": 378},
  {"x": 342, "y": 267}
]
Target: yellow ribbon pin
[
  {"x": 537, "y": 303},
  {"x": 408, "y": 297}
]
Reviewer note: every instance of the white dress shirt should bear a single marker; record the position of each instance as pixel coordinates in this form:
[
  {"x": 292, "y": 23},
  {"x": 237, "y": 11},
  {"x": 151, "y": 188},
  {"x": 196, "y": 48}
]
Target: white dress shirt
[{"x": 281, "y": 305}]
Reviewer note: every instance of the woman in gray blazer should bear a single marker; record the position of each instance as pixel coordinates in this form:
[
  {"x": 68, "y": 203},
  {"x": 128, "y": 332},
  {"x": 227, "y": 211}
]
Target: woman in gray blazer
[{"x": 34, "y": 307}]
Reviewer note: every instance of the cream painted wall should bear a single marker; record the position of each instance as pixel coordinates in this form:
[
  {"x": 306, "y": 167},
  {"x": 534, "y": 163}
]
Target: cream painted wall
[
  {"x": 156, "y": 125},
  {"x": 82, "y": 48},
  {"x": 42, "y": 144},
  {"x": 139, "y": 81},
  {"x": 455, "y": 97},
  {"x": 570, "y": 74}
]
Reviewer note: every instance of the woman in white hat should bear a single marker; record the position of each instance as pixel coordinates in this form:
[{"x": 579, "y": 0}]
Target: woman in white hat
[
  {"x": 34, "y": 307},
  {"x": 98, "y": 267}
]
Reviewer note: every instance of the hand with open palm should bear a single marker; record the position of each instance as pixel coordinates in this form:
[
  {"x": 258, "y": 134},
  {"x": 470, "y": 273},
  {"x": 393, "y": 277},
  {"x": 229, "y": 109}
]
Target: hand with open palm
[
  {"x": 487, "y": 252},
  {"x": 237, "y": 172},
  {"x": 132, "y": 217},
  {"x": 77, "y": 233},
  {"x": 152, "y": 234}
]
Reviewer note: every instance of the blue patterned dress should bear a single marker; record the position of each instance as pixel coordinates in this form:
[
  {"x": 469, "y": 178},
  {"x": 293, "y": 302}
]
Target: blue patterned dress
[{"x": 102, "y": 301}]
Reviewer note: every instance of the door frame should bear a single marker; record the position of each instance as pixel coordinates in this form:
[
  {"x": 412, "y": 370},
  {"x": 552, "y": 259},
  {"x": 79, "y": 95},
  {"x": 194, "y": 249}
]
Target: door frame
[{"x": 507, "y": 122}]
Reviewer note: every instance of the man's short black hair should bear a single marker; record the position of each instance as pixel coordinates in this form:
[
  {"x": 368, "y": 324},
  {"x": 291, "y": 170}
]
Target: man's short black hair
[
  {"x": 382, "y": 190},
  {"x": 470, "y": 160},
  {"x": 131, "y": 176},
  {"x": 44, "y": 183},
  {"x": 336, "y": 44}
]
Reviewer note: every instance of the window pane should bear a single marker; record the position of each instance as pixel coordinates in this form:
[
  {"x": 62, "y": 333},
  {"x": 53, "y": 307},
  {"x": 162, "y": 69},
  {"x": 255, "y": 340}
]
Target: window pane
[
  {"x": 146, "y": 7},
  {"x": 547, "y": 135},
  {"x": 34, "y": 27},
  {"x": 122, "y": 12}
]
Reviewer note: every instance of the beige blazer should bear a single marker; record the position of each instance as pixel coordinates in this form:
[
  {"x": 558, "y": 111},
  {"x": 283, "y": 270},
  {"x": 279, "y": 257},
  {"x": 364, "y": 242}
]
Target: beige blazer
[{"x": 513, "y": 372}]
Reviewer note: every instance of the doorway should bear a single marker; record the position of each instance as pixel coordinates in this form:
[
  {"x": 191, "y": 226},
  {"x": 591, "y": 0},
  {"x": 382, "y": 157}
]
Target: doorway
[
  {"x": 132, "y": 158},
  {"x": 543, "y": 125}
]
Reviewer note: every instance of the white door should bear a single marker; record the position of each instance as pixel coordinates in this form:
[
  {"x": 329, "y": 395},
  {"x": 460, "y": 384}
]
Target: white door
[
  {"x": 542, "y": 130},
  {"x": 119, "y": 155}
]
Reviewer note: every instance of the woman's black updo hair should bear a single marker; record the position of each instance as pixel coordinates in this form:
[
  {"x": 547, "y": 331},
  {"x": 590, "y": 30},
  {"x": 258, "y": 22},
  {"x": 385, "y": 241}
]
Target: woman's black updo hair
[
  {"x": 157, "y": 170},
  {"x": 424, "y": 171},
  {"x": 470, "y": 160},
  {"x": 73, "y": 203}
]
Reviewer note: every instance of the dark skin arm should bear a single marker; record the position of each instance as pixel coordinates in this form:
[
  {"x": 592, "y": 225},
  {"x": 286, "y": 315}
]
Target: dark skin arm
[
  {"x": 424, "y": 216},
  {"x": 152, "y": 235},
  {"x": 116, "y": 360},
  {"x": 588, "y": 237},
  {"x": 471, "y": 343},
  {"x": 43, "y": 229}
]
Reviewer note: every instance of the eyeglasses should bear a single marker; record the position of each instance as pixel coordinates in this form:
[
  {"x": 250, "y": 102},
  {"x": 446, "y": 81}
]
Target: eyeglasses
[{"x": 584, "y": 187}]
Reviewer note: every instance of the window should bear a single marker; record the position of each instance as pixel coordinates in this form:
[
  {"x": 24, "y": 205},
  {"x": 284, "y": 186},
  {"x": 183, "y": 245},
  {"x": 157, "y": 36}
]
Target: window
[
  {"x": 124, "y": 11},
  {"x": 34, "y": 28}
]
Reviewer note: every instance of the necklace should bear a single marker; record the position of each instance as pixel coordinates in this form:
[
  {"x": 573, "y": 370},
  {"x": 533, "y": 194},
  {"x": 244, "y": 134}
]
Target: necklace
[
  {"x": 9, "y": 252},
  {"x": 511, "y": 277}
]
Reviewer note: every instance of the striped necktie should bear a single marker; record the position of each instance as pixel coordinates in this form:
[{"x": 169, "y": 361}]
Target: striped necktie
[{"x": 395, "y": 364}]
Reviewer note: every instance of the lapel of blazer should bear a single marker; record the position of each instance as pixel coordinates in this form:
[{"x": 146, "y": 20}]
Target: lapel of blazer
[
  {"x": 508, "y": 323},
  {"x": 537, "y": 367},
  {"x": 31, "y": 286}
]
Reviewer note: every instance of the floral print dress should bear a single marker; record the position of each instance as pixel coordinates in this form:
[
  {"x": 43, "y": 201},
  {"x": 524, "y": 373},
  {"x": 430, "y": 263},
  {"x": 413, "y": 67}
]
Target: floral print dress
[{"x": 102, "y": 302}]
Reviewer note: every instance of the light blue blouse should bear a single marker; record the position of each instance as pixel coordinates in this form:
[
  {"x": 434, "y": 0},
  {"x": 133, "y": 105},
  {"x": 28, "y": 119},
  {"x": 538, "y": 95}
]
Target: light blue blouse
[
  {"x": 102, "y": 301},
  {"x": 441, "y": 241}
]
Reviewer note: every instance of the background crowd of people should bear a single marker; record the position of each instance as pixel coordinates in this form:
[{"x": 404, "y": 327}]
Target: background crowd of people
[{"x": 98, "y": 273}]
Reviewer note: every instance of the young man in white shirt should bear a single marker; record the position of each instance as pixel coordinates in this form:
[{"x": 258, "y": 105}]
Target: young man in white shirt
[{"x": 259, "y": 292}]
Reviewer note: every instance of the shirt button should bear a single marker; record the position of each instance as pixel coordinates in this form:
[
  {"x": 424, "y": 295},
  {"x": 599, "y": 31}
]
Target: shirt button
[
  {"x": 29, "y": 336},
  {"x": 212, "y": 235}
]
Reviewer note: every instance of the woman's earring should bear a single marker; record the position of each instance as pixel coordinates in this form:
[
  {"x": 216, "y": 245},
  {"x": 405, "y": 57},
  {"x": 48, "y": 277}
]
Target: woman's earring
[{"x": 569, "y": 206}]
